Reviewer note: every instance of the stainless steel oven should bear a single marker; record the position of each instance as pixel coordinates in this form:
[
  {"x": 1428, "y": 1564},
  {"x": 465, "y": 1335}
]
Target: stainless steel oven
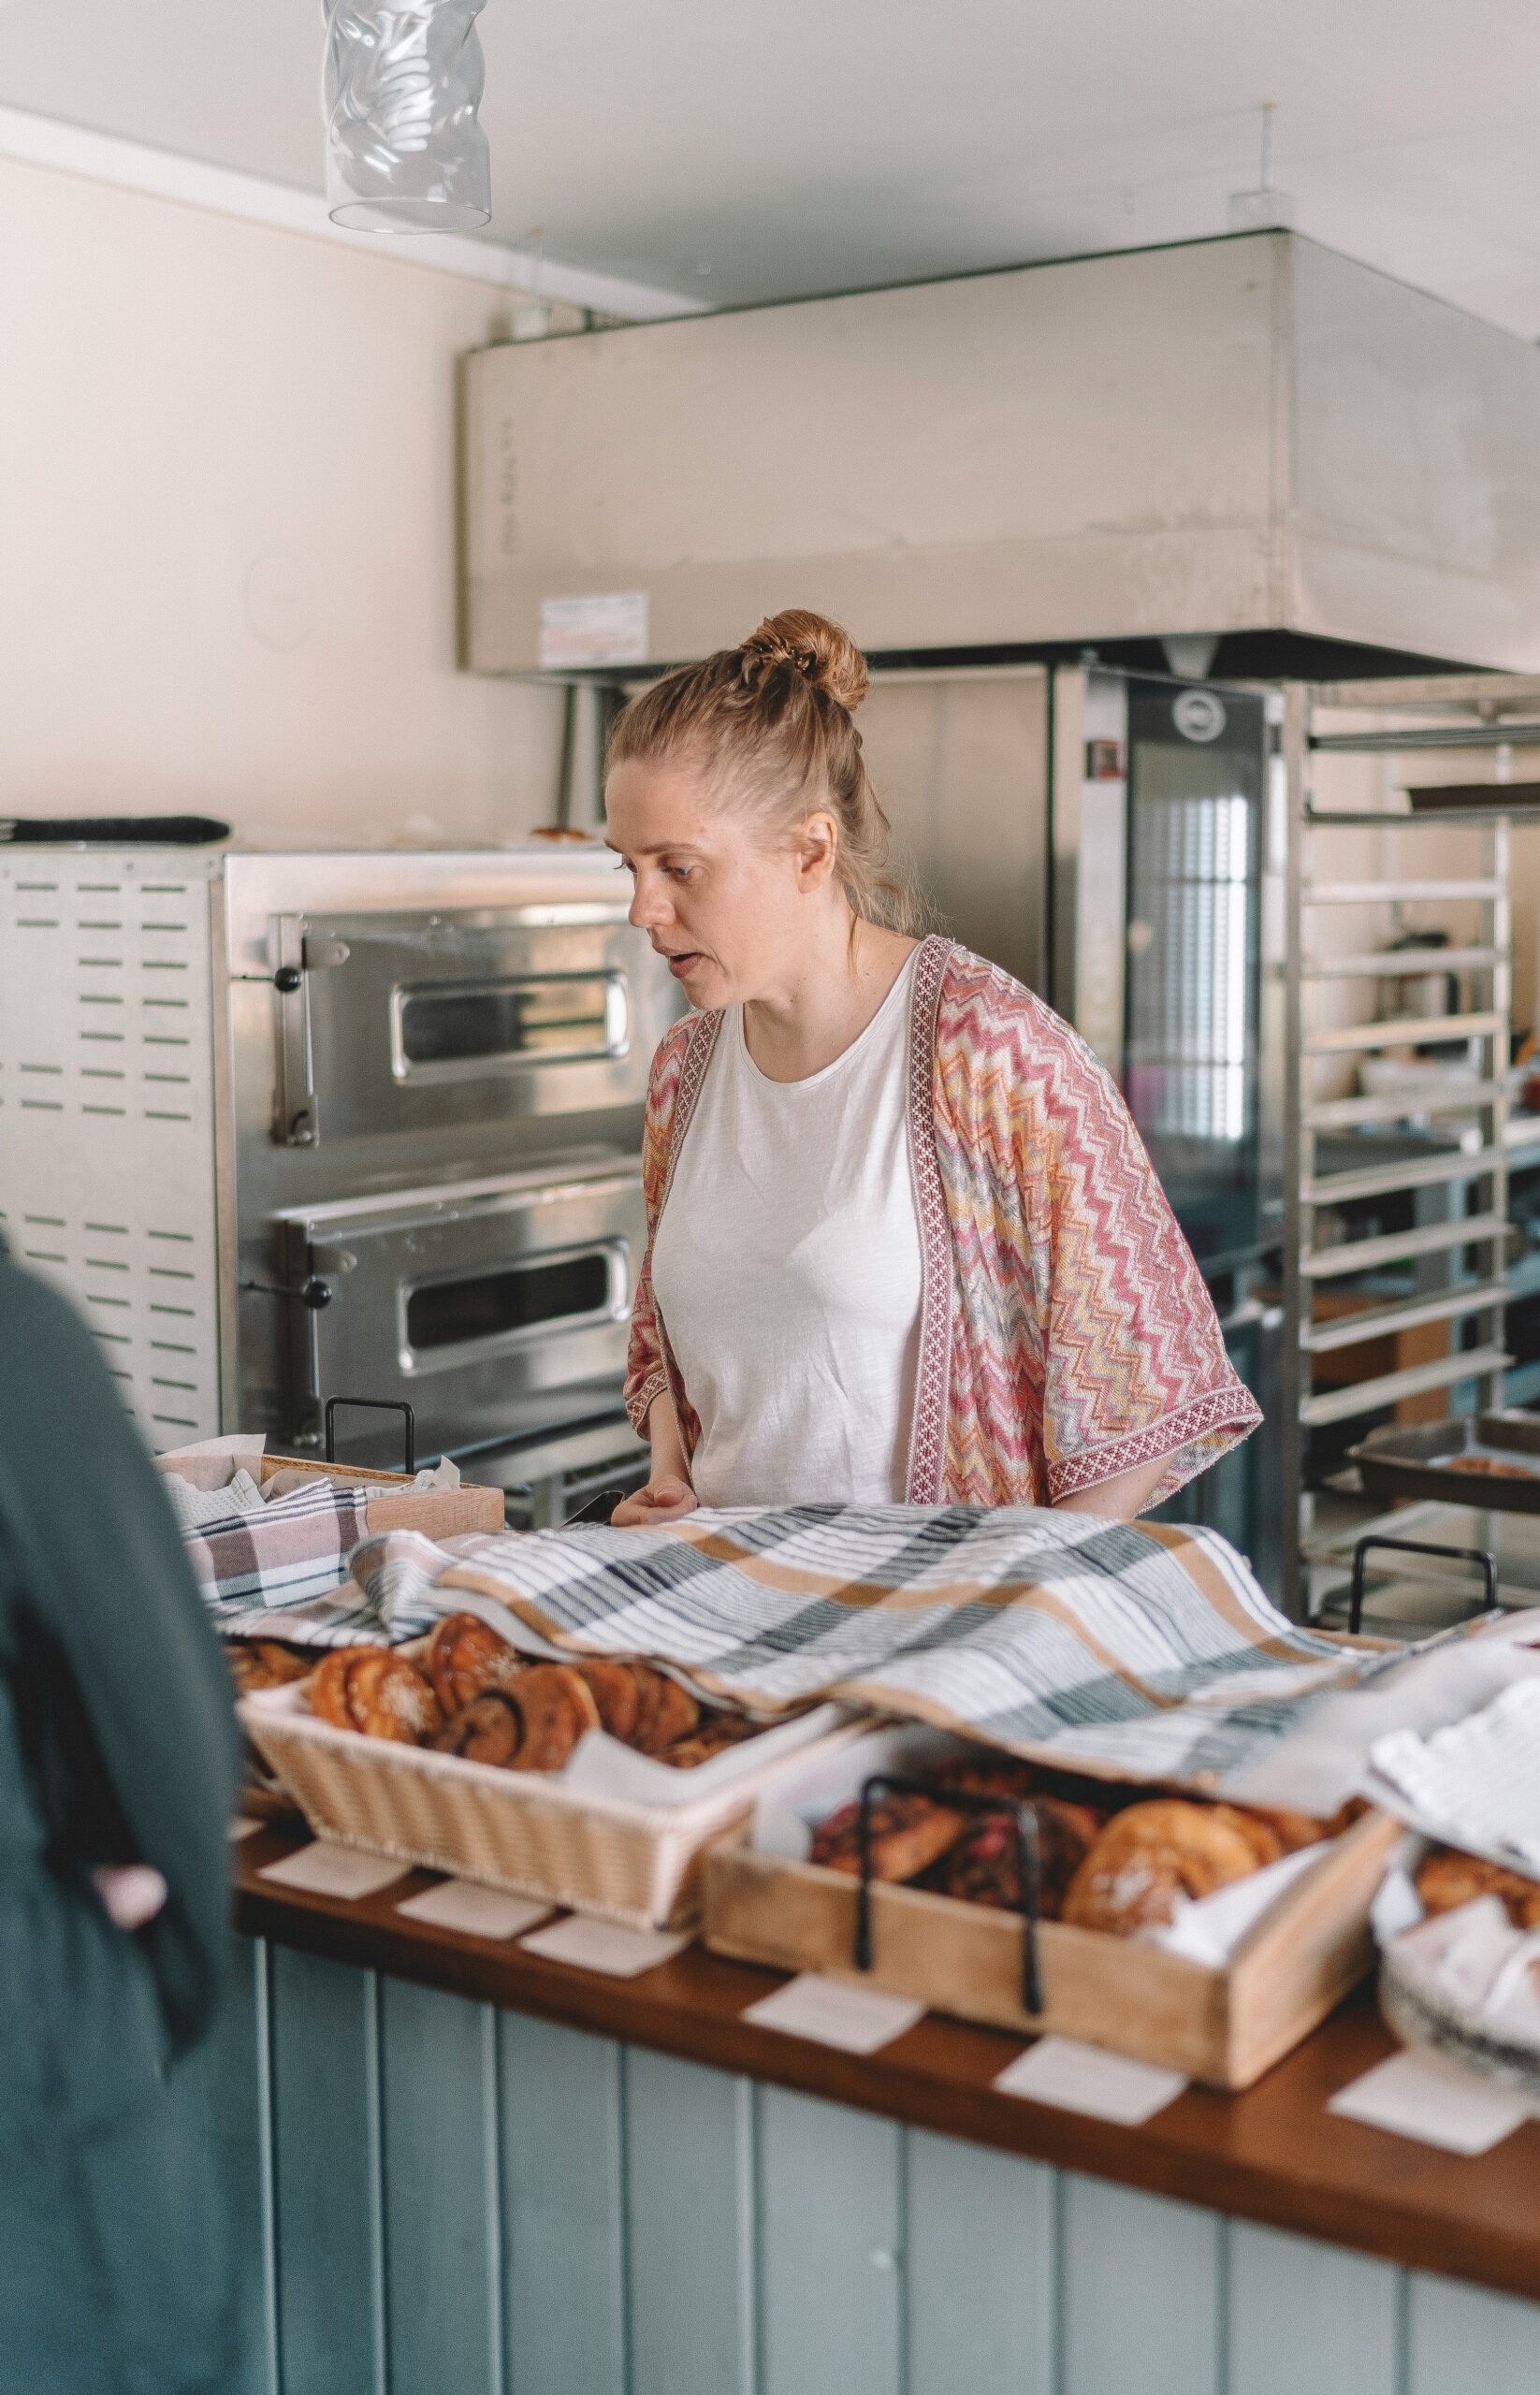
[
  {"x": 360, "y": 1123},
  {"x": 497, "y": 1308}
]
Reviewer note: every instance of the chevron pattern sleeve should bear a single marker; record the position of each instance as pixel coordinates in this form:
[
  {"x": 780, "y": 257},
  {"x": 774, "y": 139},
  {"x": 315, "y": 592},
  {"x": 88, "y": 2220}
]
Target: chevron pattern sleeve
[{"x": 1083, "y": 1341}]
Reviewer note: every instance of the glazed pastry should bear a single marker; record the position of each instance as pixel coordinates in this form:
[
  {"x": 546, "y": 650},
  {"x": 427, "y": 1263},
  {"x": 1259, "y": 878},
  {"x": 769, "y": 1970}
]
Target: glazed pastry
[
  {"x": 555, "y": 1706},
  {"x": 717, "y": 1732},
  {"x": 1294, "y": 1830},
  {"x": 389, "y": 1698},
  {"x": 617, "y": 1694},
  {"x": 1149, "y": 1856},
  {"x": 377, "y": 1692},
  {"x": 1259, "y": 1830},
  {"x": 908, "y": 1834},
  {"x": 488, "y": 1729},
  {"x": 464, "y": 1657},
  {"x": 329, "y": 1689},
  {"x": 1447, "y": 1879},
  {"x": 666, "y": 1711},
  {"x": 265, "y": 1663},
  {"x": 984, "y": 1868}
]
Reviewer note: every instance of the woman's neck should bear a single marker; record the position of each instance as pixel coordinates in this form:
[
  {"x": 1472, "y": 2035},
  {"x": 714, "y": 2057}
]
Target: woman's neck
[{"x": 827, "y": 1000}]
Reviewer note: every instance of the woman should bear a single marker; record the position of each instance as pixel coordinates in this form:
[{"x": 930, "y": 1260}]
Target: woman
[
  {"x": 905, "y": 1243},
  {"x": 118, "y": 1766}
]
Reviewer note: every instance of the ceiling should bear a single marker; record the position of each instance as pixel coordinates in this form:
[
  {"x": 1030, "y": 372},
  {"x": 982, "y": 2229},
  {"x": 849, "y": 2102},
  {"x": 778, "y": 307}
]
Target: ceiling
[{"x": 739, "y": 155}]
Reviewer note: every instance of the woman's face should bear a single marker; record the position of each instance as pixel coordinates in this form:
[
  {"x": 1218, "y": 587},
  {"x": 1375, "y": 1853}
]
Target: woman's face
[{"x": 727, "y": 906}]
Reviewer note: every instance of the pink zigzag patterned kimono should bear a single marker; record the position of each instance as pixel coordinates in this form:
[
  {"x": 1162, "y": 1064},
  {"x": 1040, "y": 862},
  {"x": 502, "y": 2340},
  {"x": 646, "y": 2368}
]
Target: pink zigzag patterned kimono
[{"x": 1066, "y": 1333}]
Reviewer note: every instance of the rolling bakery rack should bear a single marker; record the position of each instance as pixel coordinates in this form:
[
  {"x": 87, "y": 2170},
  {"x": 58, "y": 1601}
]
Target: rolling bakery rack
[{"x": 1394, "y": 795}]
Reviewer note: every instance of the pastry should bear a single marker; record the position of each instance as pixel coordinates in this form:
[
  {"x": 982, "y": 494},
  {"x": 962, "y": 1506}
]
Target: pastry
[
  {"x": 1260, "y": 1830},
  {"x": 1447, "y": 1879},
  {"x": 377, "y": 1692},
  {"x": 329, "y": 1689},
  {"x": 389, "y": 1698},
  {"x": 1490, "y": 1466},
  {"x": 265, "y": 1663},
  {"x": 908, "y": 1834},
  {"x": 984, "y": 1867},
  {"x": 555, "y": 1706},
  {"x": 617, "y": 1694},
  {"x": 464, "y": 1657},
  {"x": 717, "y": 1732},
  {"x": 1292, "y": 1830},
  {"x": 488, "y": 1729},
  {"x": 1151, "y": 1855},
  {"x": 666, "y": 1711}
]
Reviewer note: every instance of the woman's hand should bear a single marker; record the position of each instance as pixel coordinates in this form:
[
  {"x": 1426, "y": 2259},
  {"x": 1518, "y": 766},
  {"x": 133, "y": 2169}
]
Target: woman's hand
[{"x": 667, "y": 1498}]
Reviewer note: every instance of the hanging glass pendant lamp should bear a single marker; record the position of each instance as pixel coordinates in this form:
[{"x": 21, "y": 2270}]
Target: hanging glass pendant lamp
[{"x": 401, "y": 86}]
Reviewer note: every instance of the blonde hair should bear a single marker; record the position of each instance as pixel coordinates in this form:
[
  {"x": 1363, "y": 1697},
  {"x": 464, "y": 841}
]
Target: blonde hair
[{"x": 768, "y": 725}]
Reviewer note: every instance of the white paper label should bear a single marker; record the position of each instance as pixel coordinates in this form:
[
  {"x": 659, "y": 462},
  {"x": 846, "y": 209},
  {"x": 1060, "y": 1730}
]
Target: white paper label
[
  {"x": 1423, "y": 2096},
  {"x": 474, "y": 1911},
  {"x": 858, "y": 2020},
  {"x": 601, "y": 628},
  {"x": 602, "y": 1946},
  {"x": 1077, "y": 2078},
  {"x": 329, "y": 1870}
]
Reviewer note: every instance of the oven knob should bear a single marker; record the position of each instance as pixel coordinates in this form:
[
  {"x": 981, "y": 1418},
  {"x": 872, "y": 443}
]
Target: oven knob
[{"x": 288, "y": 979}]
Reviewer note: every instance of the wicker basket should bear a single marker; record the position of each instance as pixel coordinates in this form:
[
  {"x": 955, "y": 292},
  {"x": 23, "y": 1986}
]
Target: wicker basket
[{"x": 639, "y": 1865}]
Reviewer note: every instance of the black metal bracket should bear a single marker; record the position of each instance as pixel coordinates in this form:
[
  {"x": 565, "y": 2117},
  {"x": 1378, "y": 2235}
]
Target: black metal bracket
[
  {"x": 314, "y": 1292},
  {"x": 957, "y": 1801},
  {"x": 378, "y": 1405},
  {"x": 1477, "y": 1555},
  {"x": 601, "y": 1505}
]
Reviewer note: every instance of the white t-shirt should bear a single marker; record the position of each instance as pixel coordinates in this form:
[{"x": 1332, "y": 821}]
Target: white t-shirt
[{"x": 786, "y": 1269}]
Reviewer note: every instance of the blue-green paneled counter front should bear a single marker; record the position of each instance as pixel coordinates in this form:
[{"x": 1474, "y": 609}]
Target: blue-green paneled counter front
[{"x": 462, "y": 2172}]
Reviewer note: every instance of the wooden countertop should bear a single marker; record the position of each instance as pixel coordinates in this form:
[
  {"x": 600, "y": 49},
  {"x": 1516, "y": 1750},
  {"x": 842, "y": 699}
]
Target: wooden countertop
[{"x": 1274, "y": 2154}]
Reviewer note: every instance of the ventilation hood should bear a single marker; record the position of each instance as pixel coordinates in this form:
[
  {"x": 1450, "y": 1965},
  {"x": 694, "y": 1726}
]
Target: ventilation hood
[{"x": 1252, "y": 434}]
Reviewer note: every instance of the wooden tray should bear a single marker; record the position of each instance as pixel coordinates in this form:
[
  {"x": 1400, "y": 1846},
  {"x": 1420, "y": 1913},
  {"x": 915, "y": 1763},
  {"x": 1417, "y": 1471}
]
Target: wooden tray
[
  {"x": 1225, "y": 2027},
  {"x": 394, "y": 1505}
]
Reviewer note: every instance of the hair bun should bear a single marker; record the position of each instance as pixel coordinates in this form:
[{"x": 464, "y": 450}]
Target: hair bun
[{"x": 823, "y": 653}]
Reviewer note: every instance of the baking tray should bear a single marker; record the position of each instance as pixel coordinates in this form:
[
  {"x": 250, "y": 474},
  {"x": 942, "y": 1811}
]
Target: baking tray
[{"x": 1418, "y": 1459}]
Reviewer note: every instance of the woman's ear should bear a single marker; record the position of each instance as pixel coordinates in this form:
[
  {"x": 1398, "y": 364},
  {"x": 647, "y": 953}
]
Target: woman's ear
[{"x": 816, "y": 850}]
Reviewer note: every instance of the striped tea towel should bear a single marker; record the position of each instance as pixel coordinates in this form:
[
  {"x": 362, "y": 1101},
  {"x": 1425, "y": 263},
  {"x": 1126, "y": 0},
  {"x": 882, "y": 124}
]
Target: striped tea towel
[
  {"x": 254, "y": 1565},
  {"x": 1140, "y": 1648}
]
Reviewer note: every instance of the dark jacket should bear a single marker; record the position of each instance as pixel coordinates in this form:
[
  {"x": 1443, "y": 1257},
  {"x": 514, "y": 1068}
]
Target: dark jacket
[{"x": 117, "y": 1744}]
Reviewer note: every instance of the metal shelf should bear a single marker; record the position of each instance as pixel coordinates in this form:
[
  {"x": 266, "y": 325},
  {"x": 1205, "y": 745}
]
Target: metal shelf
[
  {"x": 1396, "y": 1247},
  {"x": 1410, "y": 1313},
  {"x": 1437, "y": 1249},
  {"x": 1383, "y": 1180},
  {"x": 1402, "y": 1031},
  {"x": 1372, "y": 1396}
]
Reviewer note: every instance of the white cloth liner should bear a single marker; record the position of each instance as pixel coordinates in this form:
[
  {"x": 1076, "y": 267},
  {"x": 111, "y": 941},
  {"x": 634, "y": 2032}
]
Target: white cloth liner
[
  {"x": 1474, "y": 1784},
  {"x": 228, "y": 1465}
]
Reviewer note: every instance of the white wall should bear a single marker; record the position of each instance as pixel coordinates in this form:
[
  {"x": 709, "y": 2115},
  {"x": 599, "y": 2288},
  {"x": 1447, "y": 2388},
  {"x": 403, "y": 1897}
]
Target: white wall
[{"x": 228, "y": 534}]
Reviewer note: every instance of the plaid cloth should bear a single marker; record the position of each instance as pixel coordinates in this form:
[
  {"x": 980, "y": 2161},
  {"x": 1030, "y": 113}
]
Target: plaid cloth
[
  {"x": 1141, "y": 1648},
  {"x": 254, "y": 1567}
]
